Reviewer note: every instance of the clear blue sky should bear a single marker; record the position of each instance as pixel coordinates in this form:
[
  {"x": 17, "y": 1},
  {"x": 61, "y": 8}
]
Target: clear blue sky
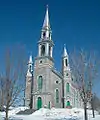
[{"x": 74, "y": 22}]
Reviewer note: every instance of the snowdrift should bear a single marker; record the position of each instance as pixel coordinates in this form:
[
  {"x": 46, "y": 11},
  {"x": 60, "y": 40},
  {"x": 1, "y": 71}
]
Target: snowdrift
[{"x": 51, "y": 114}]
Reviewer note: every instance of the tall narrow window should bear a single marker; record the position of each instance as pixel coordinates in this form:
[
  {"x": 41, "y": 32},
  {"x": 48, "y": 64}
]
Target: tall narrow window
[
  {"x": 74, "y": 98},
  {"x": 44, "y": 35},
  {"x": 40, "y": 82},
  {"x": 57, "y": 96},
  {"x": 67, "y": 87},
  {"x": 49, "y": 35},
  {"x": 49, "y": 50},
  {"x": 66, "y": 62},
  {"x": 42, "y": 50}
]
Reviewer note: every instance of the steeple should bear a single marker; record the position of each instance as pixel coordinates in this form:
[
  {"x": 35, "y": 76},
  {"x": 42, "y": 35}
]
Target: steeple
[
  {"x": 45, "y": 46},
  {"x": 65, "y": 58},
  {"x": 29, "y": 82},
  {"x": 46, "y": 23},
  {"x": 46, "y": 30},
  {"x": 30, "y": 66},
  {"x": 65, "y": 52},
  {"x": 30, "y": 60}
]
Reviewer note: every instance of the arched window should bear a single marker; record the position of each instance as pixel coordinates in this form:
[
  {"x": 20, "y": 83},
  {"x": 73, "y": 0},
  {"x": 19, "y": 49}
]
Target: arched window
[
  {"x": 49, "y": 50},
  {"x": 42, "y": 50},
  {"x": 49, "y": 35},
  {"x": 67, "y": 74},
  {"x": 44, "y": 35},
  {"x": 67, "y": 87},
  {"x": 40, "y": 82},
  {"x": 30, "y": 68},
  {"x": 66, "y": 62},
  {"x": 57, "y": 96},
  {"x": 49, "y": 104}
]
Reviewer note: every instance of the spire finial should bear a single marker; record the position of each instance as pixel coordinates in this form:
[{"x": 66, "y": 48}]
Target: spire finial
[{"x": 47, "y": 6}]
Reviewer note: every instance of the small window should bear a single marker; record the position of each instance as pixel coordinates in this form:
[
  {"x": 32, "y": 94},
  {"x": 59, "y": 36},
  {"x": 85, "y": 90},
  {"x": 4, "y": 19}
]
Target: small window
[
  {"x": 30, "y": 68},
  {"x": 49, "y": 50},
  {"x": 49, "y": 35},
  {"x": 57, "y": 82},
  {"x": 67, "y": 87},
  {"x": 67, "y": 74},
  {"x": 40, "y": 82},
  {"x": 44, "y": 34},
  {"x": 49, "y": 104},
  {"x": 57, "y": 96},
  {"x": 43, "y": 50},
  {"x": 40, "y": 61},
  {"x": 66, "y": 62}
]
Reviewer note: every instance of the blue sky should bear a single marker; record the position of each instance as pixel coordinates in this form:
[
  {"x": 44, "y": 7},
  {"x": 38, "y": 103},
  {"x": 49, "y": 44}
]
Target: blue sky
[{"x": 75, "y": 23}]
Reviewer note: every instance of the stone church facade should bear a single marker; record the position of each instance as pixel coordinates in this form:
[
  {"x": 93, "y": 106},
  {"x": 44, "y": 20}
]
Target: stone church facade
[{"x": 45, "y": 86}]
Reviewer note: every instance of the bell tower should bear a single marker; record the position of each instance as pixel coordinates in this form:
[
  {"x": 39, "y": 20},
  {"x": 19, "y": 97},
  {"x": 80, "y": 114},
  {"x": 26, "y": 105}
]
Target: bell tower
[
  {"x": 29, "y": 79},
  {"x": 66, "y": 79},
  {"x": 43, "y": 64},
  {"x": 45, "y": 45}
]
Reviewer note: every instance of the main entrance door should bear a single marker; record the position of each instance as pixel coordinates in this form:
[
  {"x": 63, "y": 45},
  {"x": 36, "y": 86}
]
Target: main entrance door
[{"x": 39, "y": 103}]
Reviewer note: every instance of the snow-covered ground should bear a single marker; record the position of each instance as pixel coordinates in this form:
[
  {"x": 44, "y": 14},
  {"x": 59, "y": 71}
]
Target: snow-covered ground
[
  {"x": 52, "y": 114},
  {"x": 13, "y": 111}
]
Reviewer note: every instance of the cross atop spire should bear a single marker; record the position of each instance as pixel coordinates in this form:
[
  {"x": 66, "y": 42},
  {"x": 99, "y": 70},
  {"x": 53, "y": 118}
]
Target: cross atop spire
[
  {"x": 46, "y": 23},
  {"x": 65, "y": 51}
]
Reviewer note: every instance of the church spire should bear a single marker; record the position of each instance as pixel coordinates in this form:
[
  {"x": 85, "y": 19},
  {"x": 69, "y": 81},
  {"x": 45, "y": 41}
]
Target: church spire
[
  {"x": 30, "y": 66},
  {"x": 46, "y": 43},
  {"x": 65, "y": 60},
  {"x": 46, "y": 30},
  {"x": 65, "y": 51},
  {"x": 30, "y": 60},
  {"x": 46, "y": 23}
]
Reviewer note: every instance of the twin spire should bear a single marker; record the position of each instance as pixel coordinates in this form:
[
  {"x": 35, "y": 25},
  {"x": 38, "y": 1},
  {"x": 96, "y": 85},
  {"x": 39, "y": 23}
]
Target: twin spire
[
  {"x": 30, "y": 66},
  {"x": 65, "y": 54},
  {"x": 30, "y": 60},
  {"x": 46, "y": 30},
  {"x": 46, "y": 23}
]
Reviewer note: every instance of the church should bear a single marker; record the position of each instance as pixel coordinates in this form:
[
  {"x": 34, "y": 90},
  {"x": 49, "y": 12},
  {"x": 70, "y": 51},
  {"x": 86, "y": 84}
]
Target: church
[{"x": 45, "y": 86}]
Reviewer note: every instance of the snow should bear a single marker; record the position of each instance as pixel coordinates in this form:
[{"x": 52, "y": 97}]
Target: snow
[
  {"x": 51, "y": 114},
  {"x": 13, "y": 111}
]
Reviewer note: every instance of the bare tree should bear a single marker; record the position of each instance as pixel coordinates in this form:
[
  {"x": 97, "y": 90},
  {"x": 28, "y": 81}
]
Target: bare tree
[
  {"x": 12, "y": 79},
  {"x": 84, "y": 67},
  {"x": 1, "y": 93}
]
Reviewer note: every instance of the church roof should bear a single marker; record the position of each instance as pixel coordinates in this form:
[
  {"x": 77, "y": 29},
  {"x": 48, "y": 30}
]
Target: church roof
[{"x": 57, "y": 73}]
